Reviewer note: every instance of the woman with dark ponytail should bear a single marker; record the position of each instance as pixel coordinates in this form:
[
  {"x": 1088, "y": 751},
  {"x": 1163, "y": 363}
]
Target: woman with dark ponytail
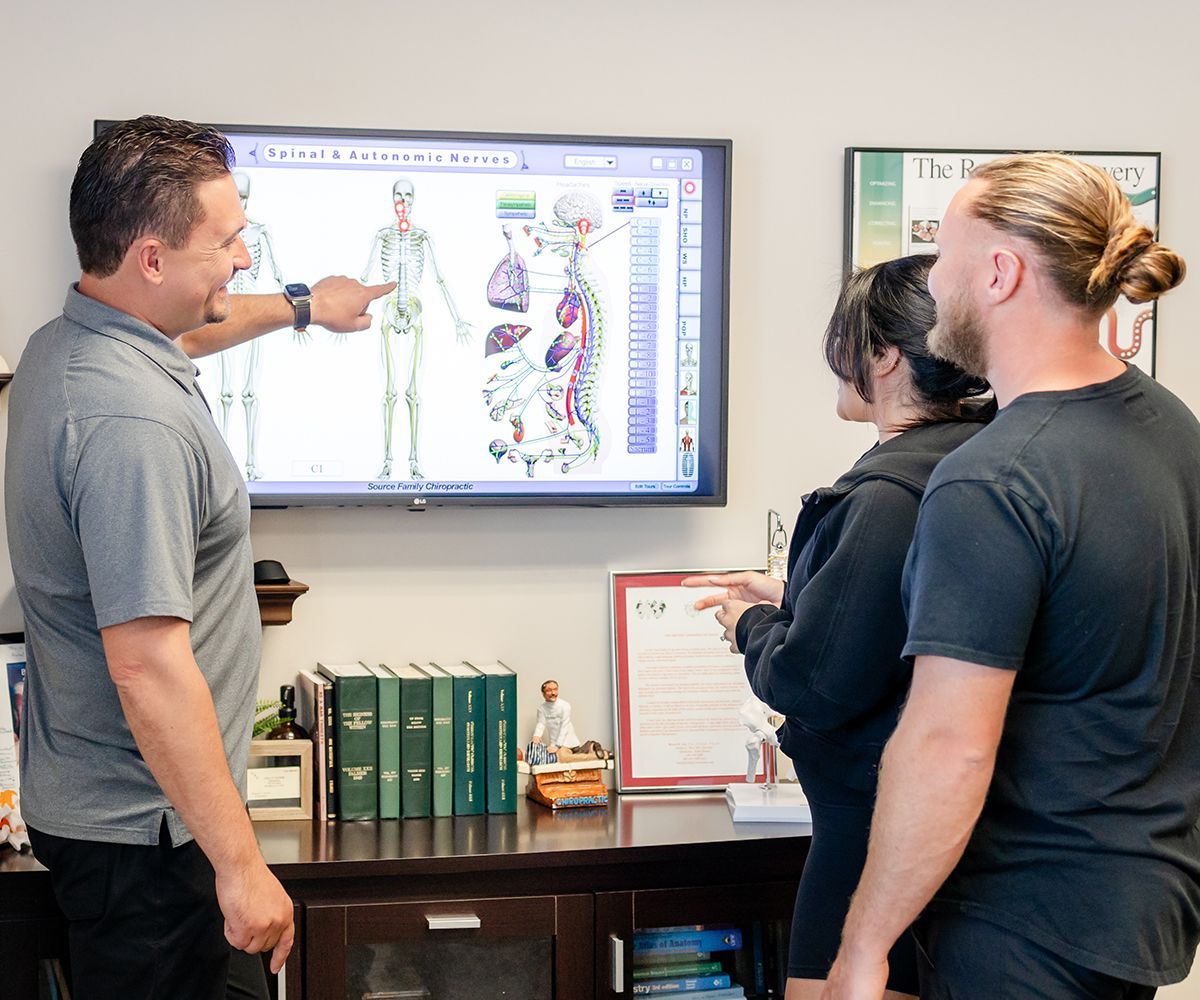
[{"x": 824, "y": 650}]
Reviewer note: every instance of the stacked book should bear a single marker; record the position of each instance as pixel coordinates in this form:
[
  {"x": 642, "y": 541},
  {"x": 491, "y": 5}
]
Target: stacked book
[
  {"x": 403, "y": 742},
  {"x": 694, "y": 959}
]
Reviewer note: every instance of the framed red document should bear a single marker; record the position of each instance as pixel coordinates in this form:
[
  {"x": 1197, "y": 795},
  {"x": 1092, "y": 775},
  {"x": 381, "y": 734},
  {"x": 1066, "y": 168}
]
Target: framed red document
[{"x": 676, "y": 686}]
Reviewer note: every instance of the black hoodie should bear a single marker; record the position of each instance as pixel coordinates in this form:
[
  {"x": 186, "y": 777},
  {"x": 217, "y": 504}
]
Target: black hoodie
[{"x": 829, "y": 659}]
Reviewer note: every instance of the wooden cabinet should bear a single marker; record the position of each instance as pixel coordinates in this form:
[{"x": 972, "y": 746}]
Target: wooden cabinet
[{"x": 537, "y": 904}]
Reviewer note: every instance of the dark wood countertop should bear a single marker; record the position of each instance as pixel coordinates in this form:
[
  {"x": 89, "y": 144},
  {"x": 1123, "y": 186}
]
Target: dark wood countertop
[
  {"x": 645, "y": 826},
  {"x": 642, "y": 828}
]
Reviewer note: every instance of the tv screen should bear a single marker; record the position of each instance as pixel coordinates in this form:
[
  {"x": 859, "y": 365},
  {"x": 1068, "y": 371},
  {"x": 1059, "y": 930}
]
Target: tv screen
[{"x": 558, "y": 333}]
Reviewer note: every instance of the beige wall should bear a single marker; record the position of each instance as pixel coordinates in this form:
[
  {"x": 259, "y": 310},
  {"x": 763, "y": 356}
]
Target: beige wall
[{"x": 791, "y": 83}]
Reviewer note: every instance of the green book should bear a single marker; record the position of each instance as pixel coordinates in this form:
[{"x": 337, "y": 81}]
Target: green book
[
  {"x": 388, "y": 688},
  {"x": 416, "y": 742},
  {"x": 469, "y": 789},
  {"x": 500, "y": 736},
  {"x": 443, "y": 740},
  {"x": 676, "y": 971},
  {"x": 356, "y": 739}
]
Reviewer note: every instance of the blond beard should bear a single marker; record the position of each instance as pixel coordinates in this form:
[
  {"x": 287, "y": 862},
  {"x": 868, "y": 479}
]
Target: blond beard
[{"x": 959, "y": 337}]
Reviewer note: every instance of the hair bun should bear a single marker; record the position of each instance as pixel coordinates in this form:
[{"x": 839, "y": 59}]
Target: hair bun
[
  {"x": 1152, "y": 272},
  {"x": 1124, "y": 246}
]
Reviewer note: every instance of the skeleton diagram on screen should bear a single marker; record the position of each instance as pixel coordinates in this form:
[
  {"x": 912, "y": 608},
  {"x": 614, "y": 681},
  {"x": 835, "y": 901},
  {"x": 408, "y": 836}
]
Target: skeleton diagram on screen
[
  {"x": 555, "y": 386},
  {"x": 402, "y": 250},
  {"x": 258, "y": 245}
]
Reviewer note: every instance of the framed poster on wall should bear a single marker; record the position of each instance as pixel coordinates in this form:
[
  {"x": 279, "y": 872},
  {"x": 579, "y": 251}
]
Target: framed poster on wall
[{"x": 895, "y": 199}]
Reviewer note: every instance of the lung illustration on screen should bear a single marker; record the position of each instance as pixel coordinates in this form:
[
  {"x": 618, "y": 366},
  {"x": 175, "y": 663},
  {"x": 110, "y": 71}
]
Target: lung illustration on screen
[
  {"x": 509, "y": 284},
  {"x": 402, "y": 250},
  {"x": 547, "y": 392}
]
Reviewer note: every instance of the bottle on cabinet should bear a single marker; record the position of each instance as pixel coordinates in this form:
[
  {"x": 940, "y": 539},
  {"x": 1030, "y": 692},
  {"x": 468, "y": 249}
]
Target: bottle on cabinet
[{"x": 288, "y": 728}]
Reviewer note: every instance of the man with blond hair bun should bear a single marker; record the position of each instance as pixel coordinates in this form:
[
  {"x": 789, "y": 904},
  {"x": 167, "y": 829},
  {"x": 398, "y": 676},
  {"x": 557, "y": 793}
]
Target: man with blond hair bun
[{"x": 1038, "y": 803}]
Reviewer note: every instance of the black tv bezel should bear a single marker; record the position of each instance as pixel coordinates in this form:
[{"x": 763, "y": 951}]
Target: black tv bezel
[{"x": 415, "y": 501}]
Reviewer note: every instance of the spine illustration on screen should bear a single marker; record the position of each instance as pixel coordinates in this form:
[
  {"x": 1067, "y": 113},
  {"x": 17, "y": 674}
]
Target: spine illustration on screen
[
  {"x": 401, "y": 250},
  {"x": 559, "y": 389}
]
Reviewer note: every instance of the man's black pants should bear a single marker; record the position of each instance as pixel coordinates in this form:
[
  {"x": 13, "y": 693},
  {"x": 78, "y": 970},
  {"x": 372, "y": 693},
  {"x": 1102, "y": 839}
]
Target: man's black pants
[
  {"x": 962, "y": 958},
  {"x": 143, "y": 922}
]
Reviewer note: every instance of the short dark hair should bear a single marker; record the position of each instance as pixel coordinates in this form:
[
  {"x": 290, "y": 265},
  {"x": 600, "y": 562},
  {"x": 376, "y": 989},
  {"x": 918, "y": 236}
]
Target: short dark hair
[
  {"x": 889, "y": 305},
  {"x": 139, "y": 177}
]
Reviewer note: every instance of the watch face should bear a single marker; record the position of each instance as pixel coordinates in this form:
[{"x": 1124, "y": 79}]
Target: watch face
[{"x": 297, "y": 291}]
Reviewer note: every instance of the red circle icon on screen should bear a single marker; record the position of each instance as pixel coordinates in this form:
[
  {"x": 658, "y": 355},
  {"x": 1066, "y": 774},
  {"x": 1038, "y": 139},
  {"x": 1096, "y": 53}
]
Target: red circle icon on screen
[{"x": 689, "y": 187}]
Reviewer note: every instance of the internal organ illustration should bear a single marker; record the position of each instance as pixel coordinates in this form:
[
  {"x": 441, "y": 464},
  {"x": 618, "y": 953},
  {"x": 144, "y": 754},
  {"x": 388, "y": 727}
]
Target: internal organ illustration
[
  {"x": 548, "y": 395},
  {"x": 509, "y": 285},
  {"x": 402, "y": 251},
  {"x": 258, "y": 245},
  {"x": 502, "y": 337},
  {"x": 1113, "y": 331}
]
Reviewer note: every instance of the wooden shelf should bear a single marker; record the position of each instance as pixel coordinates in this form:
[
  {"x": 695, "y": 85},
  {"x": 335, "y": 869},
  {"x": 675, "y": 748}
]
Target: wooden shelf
[{"x": 275, "y": 600}]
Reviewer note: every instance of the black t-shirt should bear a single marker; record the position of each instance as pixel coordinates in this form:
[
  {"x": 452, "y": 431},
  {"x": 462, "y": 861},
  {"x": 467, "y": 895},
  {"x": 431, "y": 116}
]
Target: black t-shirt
[{"x": 1063, "y": 542}]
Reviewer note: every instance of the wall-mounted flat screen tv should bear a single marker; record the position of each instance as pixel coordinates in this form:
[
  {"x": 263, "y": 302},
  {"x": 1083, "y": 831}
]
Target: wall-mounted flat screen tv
[{"x": 558, "y": 333}]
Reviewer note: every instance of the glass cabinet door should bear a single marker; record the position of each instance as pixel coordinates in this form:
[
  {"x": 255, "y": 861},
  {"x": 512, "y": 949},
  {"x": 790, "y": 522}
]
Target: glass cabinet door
[
  {"x": 507, "y": 949},
  {"x": 452, "y": 967}
]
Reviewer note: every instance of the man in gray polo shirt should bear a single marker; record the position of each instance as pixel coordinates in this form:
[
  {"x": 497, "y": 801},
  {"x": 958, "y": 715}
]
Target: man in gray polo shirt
[{"x": 128, "y": 527}]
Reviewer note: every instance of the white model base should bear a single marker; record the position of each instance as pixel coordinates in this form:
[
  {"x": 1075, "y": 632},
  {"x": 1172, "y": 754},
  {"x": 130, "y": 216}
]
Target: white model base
[{"x": 753, "y": 804}]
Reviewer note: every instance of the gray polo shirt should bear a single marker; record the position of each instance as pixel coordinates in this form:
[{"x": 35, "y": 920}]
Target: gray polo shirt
[{"x": 122, "y": 502}]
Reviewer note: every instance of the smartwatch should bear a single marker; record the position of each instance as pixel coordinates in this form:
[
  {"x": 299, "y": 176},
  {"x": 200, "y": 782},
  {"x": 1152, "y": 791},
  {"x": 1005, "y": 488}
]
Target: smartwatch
[{"x": 300, "y": 296}]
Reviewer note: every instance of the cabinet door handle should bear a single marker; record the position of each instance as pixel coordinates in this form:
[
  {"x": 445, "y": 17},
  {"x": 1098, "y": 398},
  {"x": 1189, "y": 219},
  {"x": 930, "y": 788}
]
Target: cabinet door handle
[
  {"x": 616, "y": 956},
  {"x": 454, "y": 922}
]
